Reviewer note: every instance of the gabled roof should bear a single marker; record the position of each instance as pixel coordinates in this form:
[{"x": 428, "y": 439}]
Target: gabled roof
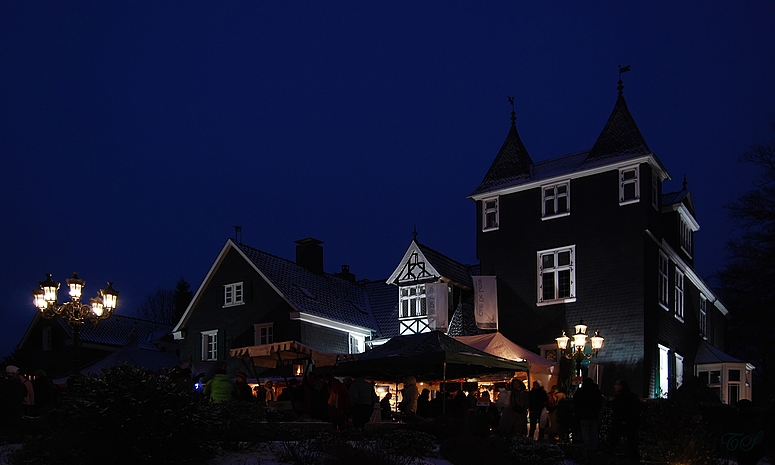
[
  {"x": 319, "y": 295},
  {"x": 383, "y": 300},
  {"x": 431, "y": 264},
  {"x": 620, "y": 136},
  {"x": 511, "y": 164}
]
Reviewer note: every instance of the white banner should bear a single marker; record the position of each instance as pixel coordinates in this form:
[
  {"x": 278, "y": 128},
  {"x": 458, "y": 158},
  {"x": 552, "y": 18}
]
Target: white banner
[
  {"x": 437, "y": 301},
  {"x": 486, "y": 304}
]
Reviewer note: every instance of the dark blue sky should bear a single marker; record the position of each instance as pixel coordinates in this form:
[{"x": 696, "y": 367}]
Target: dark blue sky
[{"x": 134, "y": 135}]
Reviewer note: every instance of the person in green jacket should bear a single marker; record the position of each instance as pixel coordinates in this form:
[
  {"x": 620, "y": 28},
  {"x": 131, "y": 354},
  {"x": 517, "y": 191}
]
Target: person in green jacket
[{"x": 220, "y": 388}]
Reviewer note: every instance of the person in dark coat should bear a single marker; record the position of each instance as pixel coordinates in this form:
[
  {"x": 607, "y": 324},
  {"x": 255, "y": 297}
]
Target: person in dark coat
[
  {"x": 537, "y": 401},
  {"x": 626, "y": 408},
  {"x": 45, "y": 392},
  {"x": 588, "y": 407},
  {"x": 362, "y": 399},
  {"x": 384, "y": 404},
  {"x": 424, "y": 404},
  {"x": 244, "y": 391}
]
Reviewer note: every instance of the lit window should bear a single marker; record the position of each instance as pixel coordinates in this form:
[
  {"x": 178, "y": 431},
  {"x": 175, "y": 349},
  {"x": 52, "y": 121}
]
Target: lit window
[
  {"x": 556, "y": 275},
  {"x": 556, "y": 200},
  {"x": 679, "y": 370},
  {"x": 490, "y": 214},
  {"x": 663, "y": 373},
  {"x": 686, "y": 237},
  {"x": 663, "y": 282},
  {"x": 264, "y": 334},
  {"x": 413, "y": 301},
  {"x": 210, "y": 345},
  {"x": 356, "y": 344},
  {"x": 679, "y": 295},
  {"x": 703, "y": 317},
  {"x": 232, "y": 294},
  {"x": 629, "y": 187}
]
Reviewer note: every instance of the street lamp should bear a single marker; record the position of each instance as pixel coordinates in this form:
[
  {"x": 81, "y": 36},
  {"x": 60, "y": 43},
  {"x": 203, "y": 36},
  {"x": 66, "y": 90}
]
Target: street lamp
[
  {"x": 74, "y": 312},
  {"x": 576, "y": 350}
]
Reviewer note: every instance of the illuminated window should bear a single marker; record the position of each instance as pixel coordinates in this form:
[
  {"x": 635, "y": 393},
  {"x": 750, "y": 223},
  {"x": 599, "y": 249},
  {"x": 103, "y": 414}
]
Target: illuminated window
[
  {"x": 678, "y": 304},
  {"x": 556, "y": 200},
  {"x": 556, "y": 275},
  {"x": 210, "y": 345},
  {"x": 413, "y": 301},
  {"x": 264, "y": 333},
  {"x": 629, "y": 185},
  {"x": 663, "y": 373},
  {"x": 232, "y": 294},
  {"x": 703, "y": 317},
  {"x": 663, "y": 282},
  {"x": 490, "y": 214},
  {"x": 679, "y": 370}
]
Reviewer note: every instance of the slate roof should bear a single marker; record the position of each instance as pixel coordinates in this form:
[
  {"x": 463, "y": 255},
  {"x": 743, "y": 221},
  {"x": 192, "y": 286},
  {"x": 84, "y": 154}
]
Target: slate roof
[
  {"x": 619, "y": 140},
  {"x": 620, "y": 136},
  {"x": 707, "y": 353},
  {"x": 510, "y": 165},
  {"x": 325, "y": 295},
  {"x": 115, "y": 331},
  {"x": 463, "y": 322},
  {"x": 447, "y": 267},
  {"x": 383, "y": 301}
]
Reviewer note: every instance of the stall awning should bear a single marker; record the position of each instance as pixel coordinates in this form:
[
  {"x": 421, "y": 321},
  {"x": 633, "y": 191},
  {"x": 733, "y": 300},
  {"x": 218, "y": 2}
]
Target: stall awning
[
  {"x": 282, "y": 353},
  {"x": 499, "y": 345}
]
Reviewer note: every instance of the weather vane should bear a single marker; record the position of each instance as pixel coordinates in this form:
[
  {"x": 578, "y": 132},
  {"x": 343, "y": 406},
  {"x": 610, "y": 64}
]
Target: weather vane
[
  {"x": 622, "y": 69},
  {"x": 513, "y": 114}
]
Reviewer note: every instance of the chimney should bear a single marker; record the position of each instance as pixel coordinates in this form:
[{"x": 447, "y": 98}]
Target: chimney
[
  {"x": 345, "y": 274},
  {"x": 309, "y": 254}
]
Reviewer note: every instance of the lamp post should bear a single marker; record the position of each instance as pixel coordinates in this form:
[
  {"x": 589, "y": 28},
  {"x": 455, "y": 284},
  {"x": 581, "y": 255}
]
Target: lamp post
[
  {"x": 576, "y": 350},
  {"x": 75, "y": 312}
]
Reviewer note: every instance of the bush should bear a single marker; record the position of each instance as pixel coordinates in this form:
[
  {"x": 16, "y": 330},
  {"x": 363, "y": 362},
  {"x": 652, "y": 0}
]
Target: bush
[
  {"x": 527, "y": 451},
  {"x": 673, "y": 432},
  {"x": 124, "y": 413}
]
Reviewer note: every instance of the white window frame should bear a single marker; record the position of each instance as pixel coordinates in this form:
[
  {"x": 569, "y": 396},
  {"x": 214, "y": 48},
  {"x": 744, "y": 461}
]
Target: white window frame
[
  {"x": 233, "y": 294},
  {"x": 624, "y": 183},
  {"x": 555, "y": 270},
  {"x": 554, "y": 196},
  {"x": 663, "y": 283},
  {"x": 679, "y": 370},
  {"x": 210, "y": 345},
  {"x": 655, "y": 197},
  {"x": 357, "y": 344},
  {"x": 412, "y": 304},
  {"x": 263, "y": 334},
  {"x": 704, "y": 317},
  {"x": 490, "y": 207},
  {"x": 686, "y": 234},
  {"x": 663, "y": 372},
  {"x": 678, "y": 303}
]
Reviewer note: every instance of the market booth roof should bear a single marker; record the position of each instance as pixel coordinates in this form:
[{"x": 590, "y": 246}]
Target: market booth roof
[
  {"x": 499, "y": 345},
  {"x": 282, "y": 353},
  {"x": 429, "y": 356}
]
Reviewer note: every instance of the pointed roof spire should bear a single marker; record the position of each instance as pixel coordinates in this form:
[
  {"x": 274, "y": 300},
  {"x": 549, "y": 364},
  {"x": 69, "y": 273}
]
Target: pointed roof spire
[
  {"x": 512, "y": 162},
  {"x": 621, "y": 135},
  {"x": 414, "y": 233}
]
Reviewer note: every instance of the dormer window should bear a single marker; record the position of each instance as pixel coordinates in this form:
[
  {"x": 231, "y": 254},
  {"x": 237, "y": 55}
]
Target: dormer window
[
  {"x": 490, "y": 217},
  {"x": 233, "y": 295},
  {"x": 629, "y": 185},
  {"x": 556, "y": 200},
  {"x": 686, "y": 237}
]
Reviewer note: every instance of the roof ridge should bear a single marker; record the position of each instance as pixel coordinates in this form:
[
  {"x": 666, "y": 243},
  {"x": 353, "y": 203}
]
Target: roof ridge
[{"x": 442, "y": 254}]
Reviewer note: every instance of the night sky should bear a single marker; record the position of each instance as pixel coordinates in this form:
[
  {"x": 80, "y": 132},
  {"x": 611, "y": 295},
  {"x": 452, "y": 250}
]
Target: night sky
[{"x": 135, "y": 135}]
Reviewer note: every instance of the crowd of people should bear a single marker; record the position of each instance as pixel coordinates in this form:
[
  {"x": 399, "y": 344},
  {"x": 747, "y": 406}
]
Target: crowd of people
[{"x": 26, "y": 395}]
